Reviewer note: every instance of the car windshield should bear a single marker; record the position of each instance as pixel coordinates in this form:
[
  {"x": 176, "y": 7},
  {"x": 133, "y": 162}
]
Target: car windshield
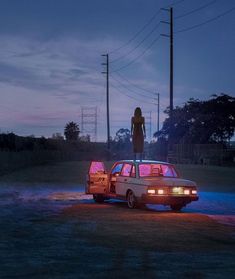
[{"x": 156, "y": 170}]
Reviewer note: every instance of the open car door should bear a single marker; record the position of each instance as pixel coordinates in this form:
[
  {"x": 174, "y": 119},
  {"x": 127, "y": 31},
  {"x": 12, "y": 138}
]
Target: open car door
[{"x": 97, "y": 179}]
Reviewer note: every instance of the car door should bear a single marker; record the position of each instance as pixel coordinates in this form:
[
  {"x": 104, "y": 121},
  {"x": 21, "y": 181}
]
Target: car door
[
  {"x": 124, "y": 179},
  {"x": 97, "y": 179},
  {"x": 114, "y": 173}
]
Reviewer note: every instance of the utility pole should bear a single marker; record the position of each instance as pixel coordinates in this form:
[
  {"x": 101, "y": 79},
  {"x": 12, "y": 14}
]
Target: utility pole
[
  {"x": 107, "y": 97},
  {"x": 158, "y": 110},
  {"x": 170, "y": 145},
  {"x": 171, "y": 64}
]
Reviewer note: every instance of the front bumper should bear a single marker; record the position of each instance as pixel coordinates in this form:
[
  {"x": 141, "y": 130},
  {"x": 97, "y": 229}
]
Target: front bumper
[{"x": 168, "y": 199}]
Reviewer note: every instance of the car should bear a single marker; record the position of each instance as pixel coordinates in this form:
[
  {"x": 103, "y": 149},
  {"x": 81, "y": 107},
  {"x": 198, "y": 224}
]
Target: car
[{"x": 139, "y": 183}]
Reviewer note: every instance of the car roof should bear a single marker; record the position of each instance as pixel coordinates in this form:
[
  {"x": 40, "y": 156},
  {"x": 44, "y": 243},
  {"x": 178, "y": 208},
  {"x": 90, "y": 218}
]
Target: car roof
[{"x": 143, "y": 161}]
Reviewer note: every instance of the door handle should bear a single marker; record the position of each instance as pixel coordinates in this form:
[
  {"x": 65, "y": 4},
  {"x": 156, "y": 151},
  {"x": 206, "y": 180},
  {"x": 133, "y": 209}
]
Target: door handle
[{"x": 125, "y": 179}]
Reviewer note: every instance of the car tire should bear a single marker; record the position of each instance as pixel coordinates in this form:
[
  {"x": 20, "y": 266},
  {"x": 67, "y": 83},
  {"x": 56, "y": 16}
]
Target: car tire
[
  {"x": 176, "y": 207},
  {"x": 98, "y": 198},
  {"x": 131, "y": 200}
]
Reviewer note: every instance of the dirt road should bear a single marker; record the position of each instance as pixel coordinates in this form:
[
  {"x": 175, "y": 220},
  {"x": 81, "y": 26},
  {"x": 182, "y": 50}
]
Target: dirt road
[{"x": 51, "y": 232}]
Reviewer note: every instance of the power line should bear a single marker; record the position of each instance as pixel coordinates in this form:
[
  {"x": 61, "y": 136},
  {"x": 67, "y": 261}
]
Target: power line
[
  {"x": 123, "y": 85},
  {"x": 174, "y": 3},
  {"x": 134, "y": 85},
  {"x": 205, "y": 22},
  {"x": 196, "y": 10},
  {"x": 136, "y": 58},
  {"x": 140, "y": 43},
  {"x": 137, "y": 34},
  {"x": 131, "y": 97}
]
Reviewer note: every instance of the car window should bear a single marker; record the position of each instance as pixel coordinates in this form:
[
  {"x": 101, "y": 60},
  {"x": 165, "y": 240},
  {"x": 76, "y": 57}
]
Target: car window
[
  {"x": 117, "y": 169},
  {"x": 96, "y": 167},
  {"x": 133, "y": 172},
  {"x": 126, "y": 170},
  {"x": 168, "y": 171},
  {"x": 148, "y": 170},
  {"x": 156, "y": 170}
]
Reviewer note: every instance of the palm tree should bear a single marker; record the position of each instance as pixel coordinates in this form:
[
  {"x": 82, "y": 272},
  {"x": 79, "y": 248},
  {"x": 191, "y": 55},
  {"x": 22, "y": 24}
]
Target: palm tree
[{"x": 71, "y": 131}]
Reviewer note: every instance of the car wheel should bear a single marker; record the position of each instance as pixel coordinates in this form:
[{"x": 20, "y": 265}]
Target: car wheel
[
  {"x": 131, "y": 200},
  {"x": 176, "y": 207},
  {"x": 98, "y": 198}
]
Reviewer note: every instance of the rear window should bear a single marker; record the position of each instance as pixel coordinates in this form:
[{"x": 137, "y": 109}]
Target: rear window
[{"x": 156, "y": 170}]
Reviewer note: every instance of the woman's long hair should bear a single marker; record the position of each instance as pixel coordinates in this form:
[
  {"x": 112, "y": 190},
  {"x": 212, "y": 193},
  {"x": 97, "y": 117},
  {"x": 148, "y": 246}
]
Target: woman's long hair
[{"x": 138, "y": 112}]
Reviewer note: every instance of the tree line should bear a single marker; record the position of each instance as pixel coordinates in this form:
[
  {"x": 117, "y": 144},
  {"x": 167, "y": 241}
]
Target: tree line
[
  {"x": 196, "y": 122},
  {"x": 201, "y": 121}
]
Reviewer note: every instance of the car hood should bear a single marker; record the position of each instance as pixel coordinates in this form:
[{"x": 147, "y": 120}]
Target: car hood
[{"x": 168, "y": 181}]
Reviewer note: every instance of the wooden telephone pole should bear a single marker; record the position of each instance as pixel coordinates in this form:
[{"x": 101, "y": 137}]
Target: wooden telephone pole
[
  {"x": 170, "y": 36},
  {"x": 171, "y": 62},
  {"x": 107, "y": 97}
]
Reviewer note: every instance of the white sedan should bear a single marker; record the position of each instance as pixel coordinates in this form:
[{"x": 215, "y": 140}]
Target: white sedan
[{"x": 139, "y": 183}]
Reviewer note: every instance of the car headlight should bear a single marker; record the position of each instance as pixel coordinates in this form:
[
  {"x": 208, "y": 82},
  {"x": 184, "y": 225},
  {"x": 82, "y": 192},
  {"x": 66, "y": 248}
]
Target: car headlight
[
  {"x": 187, "y": 192},
  {"x": 160, "y": 191},
  {"x": 194, "y": 192},
  {"x": 151, "y": 191}
]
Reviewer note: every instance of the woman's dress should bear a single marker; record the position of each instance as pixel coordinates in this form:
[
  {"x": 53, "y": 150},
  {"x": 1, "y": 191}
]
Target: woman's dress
[{"x": 138, "y": 135}]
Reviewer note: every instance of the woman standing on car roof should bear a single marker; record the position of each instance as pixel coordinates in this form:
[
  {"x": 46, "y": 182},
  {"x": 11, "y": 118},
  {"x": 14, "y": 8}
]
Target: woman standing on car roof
[{"x": 138, "y": 132}]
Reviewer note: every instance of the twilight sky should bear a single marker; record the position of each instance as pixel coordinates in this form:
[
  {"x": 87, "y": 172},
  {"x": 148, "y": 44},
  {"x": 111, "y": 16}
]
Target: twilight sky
[{"x": 50, "y": 59}]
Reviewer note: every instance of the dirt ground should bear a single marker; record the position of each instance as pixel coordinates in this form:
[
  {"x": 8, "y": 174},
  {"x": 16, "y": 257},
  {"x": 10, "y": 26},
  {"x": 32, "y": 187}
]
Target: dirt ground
[
  {"x": 54, "y": 234},
  {"x": 50, "y": 229}
]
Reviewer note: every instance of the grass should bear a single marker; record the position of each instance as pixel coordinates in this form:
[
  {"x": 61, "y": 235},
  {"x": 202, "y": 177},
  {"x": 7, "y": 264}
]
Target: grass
[
  {"x": 209, "y": 178},
  {"x": 115, "y": 225}
]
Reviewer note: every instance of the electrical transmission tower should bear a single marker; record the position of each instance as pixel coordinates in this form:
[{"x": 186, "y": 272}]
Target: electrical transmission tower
[
  {"x": 89, "y": 122},
  {"x": 148, "y": 124}
]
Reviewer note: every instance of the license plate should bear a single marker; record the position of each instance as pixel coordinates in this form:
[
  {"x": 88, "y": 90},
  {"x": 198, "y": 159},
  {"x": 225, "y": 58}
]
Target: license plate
[{"x": 178, "y": 190}]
